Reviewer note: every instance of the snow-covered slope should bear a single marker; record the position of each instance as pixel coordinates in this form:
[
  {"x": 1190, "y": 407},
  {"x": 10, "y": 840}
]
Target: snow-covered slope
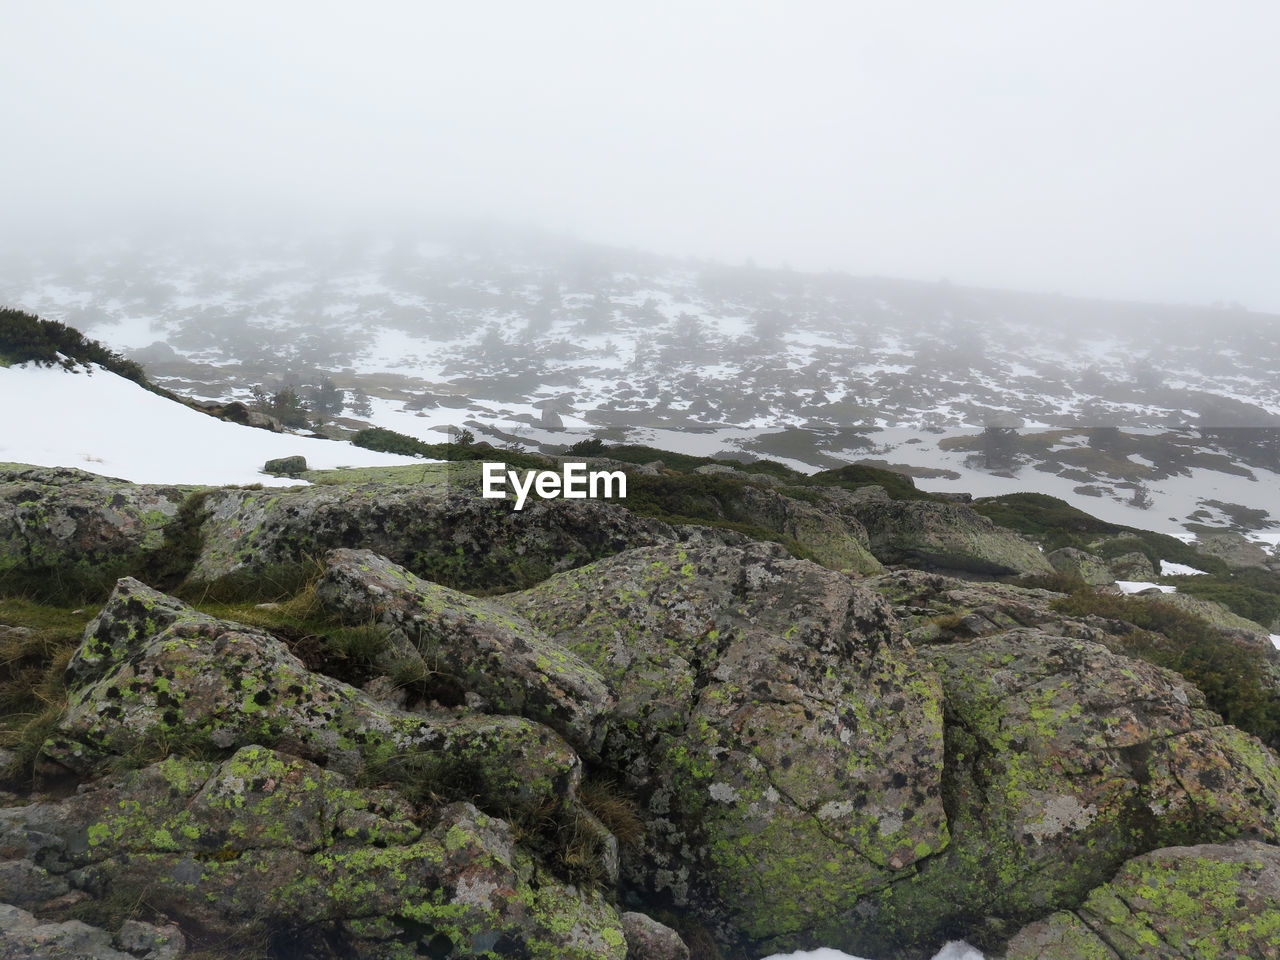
[{"x": 100, "y": 422}]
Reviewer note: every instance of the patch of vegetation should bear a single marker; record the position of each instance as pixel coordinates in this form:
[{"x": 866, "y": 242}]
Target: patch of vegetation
[
  {"x": 1250, "y": 593},
  {"x": 1228, "y": 673},
  {"x": 36, "y": 643},
  {"x": 687, "y": 463},
  {"x": 25, "y": 338},
  {"x": 1052, "y": 521},
  {"x": 857, "y": 475},
  {"x": 389, "y": 441}
]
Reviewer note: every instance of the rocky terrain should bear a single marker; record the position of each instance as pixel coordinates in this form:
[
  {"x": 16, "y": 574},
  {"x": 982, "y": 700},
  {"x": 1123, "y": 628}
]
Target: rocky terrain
[
  {"x": 540, "y": 341},
  {"x": 739, "y": 712}
]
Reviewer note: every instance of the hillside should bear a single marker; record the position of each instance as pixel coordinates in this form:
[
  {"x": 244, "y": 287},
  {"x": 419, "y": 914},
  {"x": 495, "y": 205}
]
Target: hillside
[{"x": 541, "y": 341}]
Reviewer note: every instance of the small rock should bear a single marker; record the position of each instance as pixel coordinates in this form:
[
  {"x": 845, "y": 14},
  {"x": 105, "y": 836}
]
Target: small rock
[
  {"x": 647, "y": 939},
  {"x": 285, "y": 466}
]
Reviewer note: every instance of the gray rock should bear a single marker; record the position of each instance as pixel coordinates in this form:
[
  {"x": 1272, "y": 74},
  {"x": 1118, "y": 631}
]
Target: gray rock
[
  {"x": 1077, "y": 563},
  {"x": 76, "y": 528},
  {"x": 783, "y": 743},
  {"x": 1132, "y": 566},
  {"x": 196, "y": 683},
  {"x": 948, "y": 536},
  {"x": 479, "y": 645},
  {"x": 1064, "y": 761},
  {"x": 23, "y": 937},
  {"x": 647, "y": 939},
  {"x": 264, "y": 841},
  {"x": 1212, "y": 900}
]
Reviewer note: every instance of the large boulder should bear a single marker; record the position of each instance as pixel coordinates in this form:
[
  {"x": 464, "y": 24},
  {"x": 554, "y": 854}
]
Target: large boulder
[
  {"x": 155, "y": 676},
  {"x": 947, "y": 536},
  {"x": 833, "y": 538},
  {"x": 256, "y": 538},
  {"x": 1093, "y": 570},
  {"x": 1063, "y": 761},
  {"x": 1211, "y": 900},
  {"x": 269, "y": 846},
  {"x": 75, "y": 532},
  {"x": 481, "y": 647},
  {"x": 783, "y": 742}
]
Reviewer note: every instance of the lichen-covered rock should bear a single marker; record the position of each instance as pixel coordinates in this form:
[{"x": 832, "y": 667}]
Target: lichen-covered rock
[
  {"x": 1132, "y": 566},
  {"x": 834, "y": 539},
  {"x": 647, "y": 939},
  {"x": 76, "y": 528},
  {"x": 163, "y": 676},
  {"x": 482, "y": 647},
  {"x": 783, "y": 741},
  {"x": 265, "y": 842},
  {"x": 949, "y": 536},
  {"x": 454, "y": 538},
  {"x": 932, "y": 607},
  {"x": 1079, "y": 563},
  {"x": 1063, "y": 761},
  {"x": 1213, "y": 900}
]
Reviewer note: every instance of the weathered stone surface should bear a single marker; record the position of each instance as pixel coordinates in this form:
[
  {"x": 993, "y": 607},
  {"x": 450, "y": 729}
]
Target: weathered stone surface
[
  {"x": 932, "y": 607},
  {"x": 949, "y": 536},
  {"x": 456, "y": 539},
  {"x": 1233, "y": 548},
  {"x": 1078, "y": 563},
  {"x": 61, "y": 523},
  {"x": 24, "y": 937},
  {"x": 265, "y": 840},
  {"x": 481, "y": 646},
  {"x": 1063, "y": 761},
  {"x": 647, "y": 939},
  {"x": 784, "y": 743},
  {"x": 1213, "y": 900},
  {"x": 1132, "y": 566},
  {"x": 206, "y": 684},
  {"x": 834, "y": 538}
]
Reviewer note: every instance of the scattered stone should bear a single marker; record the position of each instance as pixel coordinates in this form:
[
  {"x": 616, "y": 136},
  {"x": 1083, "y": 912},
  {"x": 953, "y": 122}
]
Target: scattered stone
[
  {"x": 286, "y": 466},
  {"x": 647, "y": 939}
]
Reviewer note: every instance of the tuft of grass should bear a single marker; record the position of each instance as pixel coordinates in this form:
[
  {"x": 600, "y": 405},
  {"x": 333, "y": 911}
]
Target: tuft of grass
[
  {"x": 34, "y": 652},
  {"x": 614, "y": 807}
]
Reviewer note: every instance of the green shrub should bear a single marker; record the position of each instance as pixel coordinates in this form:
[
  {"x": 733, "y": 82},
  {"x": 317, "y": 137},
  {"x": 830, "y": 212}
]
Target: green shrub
[
  {"x": 855, "y": 475},
  {"x": 25, "y": 338}
]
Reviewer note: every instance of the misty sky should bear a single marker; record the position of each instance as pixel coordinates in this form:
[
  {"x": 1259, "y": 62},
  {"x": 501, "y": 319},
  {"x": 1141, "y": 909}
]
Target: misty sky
[{"x": 1093, "y": 147}]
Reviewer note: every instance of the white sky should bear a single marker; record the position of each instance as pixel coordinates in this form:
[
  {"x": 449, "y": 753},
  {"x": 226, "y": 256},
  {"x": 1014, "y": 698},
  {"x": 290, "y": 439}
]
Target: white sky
[{"x": 1120, "y": 148}]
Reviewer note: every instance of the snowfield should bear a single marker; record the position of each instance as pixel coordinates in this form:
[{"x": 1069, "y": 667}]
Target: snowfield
[{"x": 97, "y": 421}]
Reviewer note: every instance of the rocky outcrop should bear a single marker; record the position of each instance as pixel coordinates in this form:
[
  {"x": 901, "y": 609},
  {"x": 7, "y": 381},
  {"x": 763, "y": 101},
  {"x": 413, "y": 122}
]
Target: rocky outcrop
[
  {"x": 947, "y": 536},
  {"x": 833, "y": 538},
  {"x": 1132, "y": 566},
  {"x": 1063, "y": 761},
  {"x": 268, "y": 847},
  {"x": 784, "y": 743},
  {"x": 76, "y": 529},
  {"x": 457, "y": 539},
  {"x": 1213, "y": 900},
  {"x": 153, "y": 675},
  {"x": 483, "y": 648},
  {"x": 1091, "y": 569},
  {"x": 24, "y": 937}
]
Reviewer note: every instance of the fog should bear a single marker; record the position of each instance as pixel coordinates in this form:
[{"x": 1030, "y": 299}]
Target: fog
[{"x": 1091, "y": 148}]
